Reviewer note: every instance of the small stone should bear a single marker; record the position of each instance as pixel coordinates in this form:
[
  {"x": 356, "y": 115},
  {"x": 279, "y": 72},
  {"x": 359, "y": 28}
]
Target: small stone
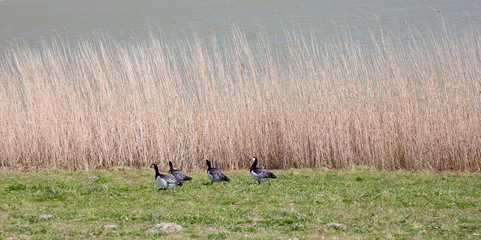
[
  {"x": 165, "y": 227},
  {"x": 24, "y": 225},
  {"x": 46, "y": 216},
  {"x": 111, "y": 226},
  {"x": 94, "y": 177},
  {"x": 338, "y": 225}
]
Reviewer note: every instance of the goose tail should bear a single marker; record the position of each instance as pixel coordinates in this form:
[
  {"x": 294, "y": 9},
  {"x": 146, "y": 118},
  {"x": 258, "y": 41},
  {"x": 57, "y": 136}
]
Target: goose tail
[{"x": 226, "y": 179}]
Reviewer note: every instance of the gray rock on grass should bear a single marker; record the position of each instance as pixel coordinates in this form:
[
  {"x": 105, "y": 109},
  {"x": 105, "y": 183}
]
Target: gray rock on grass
[
  {"x": 111, "y": 226},
  {"x": 165, "y": 227},
  {"x": 335, "y": 225}
]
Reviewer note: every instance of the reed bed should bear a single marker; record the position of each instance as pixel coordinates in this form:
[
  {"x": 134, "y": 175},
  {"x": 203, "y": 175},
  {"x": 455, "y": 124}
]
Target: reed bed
[{"x": 390, "y": 104}]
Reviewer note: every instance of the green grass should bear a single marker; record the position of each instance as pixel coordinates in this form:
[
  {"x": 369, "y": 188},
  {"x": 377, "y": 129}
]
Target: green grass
[{"x": 370, "y": 203}]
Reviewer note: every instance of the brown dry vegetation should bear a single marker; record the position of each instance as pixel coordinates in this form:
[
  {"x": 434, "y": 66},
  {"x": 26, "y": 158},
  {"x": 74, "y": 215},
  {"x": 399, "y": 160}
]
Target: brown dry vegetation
[{"x": 318, "y": 104}]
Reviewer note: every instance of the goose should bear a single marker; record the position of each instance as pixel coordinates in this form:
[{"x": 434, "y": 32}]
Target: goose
[
  {"x": 164, "y": 180},
  {"x": 260, "y": 174},
  {"x": 178, "y": 174},
  {"x": 215, "y": 174}
]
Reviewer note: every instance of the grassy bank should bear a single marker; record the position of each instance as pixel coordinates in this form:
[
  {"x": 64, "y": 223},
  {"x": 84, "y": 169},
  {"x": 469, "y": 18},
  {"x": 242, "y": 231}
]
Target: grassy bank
[
  {"x": 369, "y": 203},
  {"x": 391, "y": 103}
]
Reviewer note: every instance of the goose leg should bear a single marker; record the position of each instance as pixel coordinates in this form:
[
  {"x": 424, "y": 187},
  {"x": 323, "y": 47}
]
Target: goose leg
[
  {"x": 258, "y": 182},
  {"x": 269, "y": 181}
]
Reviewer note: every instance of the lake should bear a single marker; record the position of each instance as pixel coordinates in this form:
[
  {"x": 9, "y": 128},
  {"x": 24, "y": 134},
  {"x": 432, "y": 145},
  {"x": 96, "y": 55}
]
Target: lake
[{"x": 124, "y": 20}]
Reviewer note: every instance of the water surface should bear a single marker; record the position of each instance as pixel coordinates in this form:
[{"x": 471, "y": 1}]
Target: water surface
[{"x": 123, "y": 20}]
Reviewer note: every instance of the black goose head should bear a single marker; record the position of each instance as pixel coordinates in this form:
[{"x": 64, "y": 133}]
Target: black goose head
[
  {"x": 254, "y": 162},
  {"x": 154, "y": 166},
  {"x": 208, "y": 164},
  {"x": 170, "y": 164}
]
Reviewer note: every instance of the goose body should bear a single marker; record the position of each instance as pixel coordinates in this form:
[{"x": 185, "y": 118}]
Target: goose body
[
  {"x": 165, "y": 181},
  {"x": 260, "y": 174},
  {"x": 215, "y": 174},
  {"x": 178, "y": 174}
]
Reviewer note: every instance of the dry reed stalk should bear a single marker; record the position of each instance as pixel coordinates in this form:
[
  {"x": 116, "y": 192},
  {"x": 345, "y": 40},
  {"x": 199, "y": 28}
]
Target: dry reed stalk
[{"x": 331, "y": 104}]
